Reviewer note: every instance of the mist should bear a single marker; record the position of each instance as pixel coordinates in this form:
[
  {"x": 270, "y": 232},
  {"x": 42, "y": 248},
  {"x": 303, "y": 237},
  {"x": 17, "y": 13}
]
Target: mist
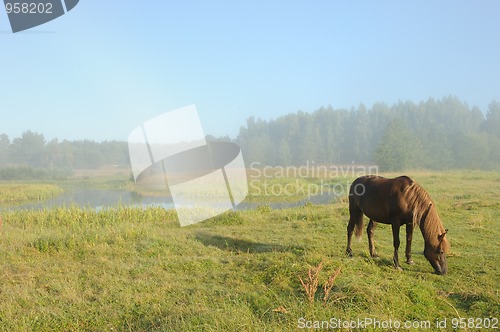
[{"x": 433, "y": 134}]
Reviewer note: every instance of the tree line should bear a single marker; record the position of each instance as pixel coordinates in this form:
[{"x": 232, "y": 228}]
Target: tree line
[
  {"x": 433, "y": 134},
  {"x": 31, "y": 156}
]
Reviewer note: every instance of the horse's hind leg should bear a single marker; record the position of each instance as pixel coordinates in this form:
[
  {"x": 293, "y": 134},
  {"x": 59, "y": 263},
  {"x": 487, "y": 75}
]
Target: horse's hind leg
[
  {"x": 409, "y": 235},
  {"x": 350, "y": 230},
  {"x": 355, "y": 220},
  {"x": 371, "y": 243}
]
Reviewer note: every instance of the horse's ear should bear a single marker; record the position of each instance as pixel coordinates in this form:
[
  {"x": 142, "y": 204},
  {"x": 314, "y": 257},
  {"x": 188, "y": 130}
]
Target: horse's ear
[{"x": 441, "y": 236}]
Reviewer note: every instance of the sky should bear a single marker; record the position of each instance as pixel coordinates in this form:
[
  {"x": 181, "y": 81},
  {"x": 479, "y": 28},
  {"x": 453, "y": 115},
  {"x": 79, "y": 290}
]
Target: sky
[{"x": 106, "y": 67}]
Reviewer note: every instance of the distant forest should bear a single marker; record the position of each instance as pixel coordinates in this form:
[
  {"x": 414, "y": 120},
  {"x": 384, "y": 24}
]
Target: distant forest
[
  {"x": 31, "y": 156},
  {"x": 435, "y": 134}
]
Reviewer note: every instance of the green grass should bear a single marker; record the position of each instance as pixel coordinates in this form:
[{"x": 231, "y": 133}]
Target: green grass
[
  {"x": 17, "y": 193},
  {"x": 137, "y": 270}
]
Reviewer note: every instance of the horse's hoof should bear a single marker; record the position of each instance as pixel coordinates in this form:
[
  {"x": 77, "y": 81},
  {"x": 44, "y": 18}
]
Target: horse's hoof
[
  {"x": 375, "y": 256},
  {"x": 398, "y": 268},
  {"x": 349, "y": 253},
  {"x": 410, "y": 262}
]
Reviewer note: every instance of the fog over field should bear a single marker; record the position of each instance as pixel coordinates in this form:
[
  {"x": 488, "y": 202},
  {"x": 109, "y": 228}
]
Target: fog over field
[{"x": 433, "y": 134}]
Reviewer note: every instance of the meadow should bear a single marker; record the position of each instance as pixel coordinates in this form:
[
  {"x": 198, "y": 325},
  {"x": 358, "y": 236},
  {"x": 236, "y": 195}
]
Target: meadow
[
  {"x": 130, "y": 269},
  {"x": 17, "y": 193}
]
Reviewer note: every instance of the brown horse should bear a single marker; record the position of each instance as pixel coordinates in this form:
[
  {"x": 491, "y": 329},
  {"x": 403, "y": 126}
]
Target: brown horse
[{"x": 397, "y": 202}]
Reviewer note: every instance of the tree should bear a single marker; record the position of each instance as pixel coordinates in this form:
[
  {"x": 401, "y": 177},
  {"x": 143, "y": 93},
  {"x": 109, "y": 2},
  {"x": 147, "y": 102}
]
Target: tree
[
  {"x": 398, "y": 149},
  {"x": 29, "y": 149},
  {"x": 284, "y": 155},
  {"x": 4, "y": 149},
  {"x": 492, "y": 123},
  {"x": 470, "y": 151},
  {"x": 492, "y": 128},
  {"x": 307, "y": 146}
]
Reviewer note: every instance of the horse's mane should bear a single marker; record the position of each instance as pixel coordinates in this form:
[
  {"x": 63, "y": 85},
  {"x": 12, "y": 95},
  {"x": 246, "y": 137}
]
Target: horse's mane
[{"x": 425, "y": 214}]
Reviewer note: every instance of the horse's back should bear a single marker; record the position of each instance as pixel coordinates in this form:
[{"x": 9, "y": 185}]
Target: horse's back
[
  {"x": 379, "y": 184},
  {"x": 377, "y": 197}
]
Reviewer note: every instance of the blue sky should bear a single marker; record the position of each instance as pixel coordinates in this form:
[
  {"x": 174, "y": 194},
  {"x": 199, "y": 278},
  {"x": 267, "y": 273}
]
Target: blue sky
[{"x": 107, "y": 66}]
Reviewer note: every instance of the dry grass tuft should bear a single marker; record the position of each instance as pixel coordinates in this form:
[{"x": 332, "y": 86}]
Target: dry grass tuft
[
  {"x": 311, "y": 286},
  {"x": 327, "y": 287}
]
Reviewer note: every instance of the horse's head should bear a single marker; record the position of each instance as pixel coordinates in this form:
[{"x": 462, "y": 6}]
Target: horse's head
[{"x": 436, "y": 255}]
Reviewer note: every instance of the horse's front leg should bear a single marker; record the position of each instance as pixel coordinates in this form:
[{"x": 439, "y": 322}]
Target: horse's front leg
[
  {"x": 395, "y": 234},
  {"x": 409, "y": 235}
]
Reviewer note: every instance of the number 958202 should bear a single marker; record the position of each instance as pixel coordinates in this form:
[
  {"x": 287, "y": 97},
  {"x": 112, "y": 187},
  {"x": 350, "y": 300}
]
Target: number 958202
[
  {"x": 28, "y": 8},
  {"x": 474, "y": 323}
]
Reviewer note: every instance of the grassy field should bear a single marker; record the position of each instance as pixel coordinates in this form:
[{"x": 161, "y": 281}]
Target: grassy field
[
  {"x": 136, "y": 270},
  {"x": 18, "y": 193}
]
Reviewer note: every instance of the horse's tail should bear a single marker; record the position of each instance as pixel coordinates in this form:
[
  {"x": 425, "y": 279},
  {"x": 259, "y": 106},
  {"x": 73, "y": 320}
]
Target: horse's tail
[
  {"x": 358, "y": 226},
  {"x": 355, "y": 217}
]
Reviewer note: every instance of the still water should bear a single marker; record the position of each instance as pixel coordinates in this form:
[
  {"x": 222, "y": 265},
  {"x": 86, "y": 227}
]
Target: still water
[{"x": 97, "y": 199}]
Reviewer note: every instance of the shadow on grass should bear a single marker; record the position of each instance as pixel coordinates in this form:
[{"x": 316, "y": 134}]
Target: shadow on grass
[
  {"x": 382, "y": 261},
  {"x": 379, "y": 260},
  {"x": 233, "y": 244},
  {"x": 469, "y": 301}
]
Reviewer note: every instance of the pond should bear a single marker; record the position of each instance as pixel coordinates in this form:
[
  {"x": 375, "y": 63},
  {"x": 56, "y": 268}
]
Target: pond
[{"x": 101, "y": 199}]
